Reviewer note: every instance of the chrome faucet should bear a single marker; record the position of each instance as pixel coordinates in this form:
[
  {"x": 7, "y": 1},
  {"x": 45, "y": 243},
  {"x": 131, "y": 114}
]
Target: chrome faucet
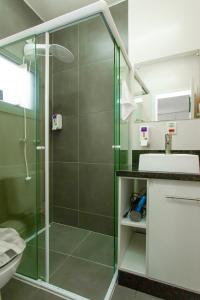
[{"x": 168, "y": 143}]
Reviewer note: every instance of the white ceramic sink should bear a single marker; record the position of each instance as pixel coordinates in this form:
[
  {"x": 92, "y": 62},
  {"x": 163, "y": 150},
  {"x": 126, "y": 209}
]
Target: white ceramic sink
[{"x": 184, "y": 163}]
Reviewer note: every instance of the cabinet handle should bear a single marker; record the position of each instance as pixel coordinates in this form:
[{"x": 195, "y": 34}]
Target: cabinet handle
[{"x": 182, "y": 198}]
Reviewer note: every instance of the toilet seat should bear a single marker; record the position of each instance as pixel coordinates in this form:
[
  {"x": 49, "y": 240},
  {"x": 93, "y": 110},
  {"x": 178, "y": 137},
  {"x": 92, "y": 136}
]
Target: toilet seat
[
  {"x": 12, "y": 248},
  {"x": 11, "y": 245},
  {"x": 7, "y": 271}
]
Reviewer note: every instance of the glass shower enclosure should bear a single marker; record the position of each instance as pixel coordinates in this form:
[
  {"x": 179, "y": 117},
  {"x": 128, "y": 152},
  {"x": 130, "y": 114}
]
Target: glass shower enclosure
[{"x": 58, "y": 186}]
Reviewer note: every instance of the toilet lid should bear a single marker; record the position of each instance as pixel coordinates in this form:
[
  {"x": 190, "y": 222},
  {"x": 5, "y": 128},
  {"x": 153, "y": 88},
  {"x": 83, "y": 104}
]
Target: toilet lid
[{"x": 11, "y": 245}]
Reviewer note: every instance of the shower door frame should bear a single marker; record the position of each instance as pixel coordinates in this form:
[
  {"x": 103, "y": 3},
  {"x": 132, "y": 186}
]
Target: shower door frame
[
  {"x": 47, "y": 128},
  {"x": 99, "y": 7}
]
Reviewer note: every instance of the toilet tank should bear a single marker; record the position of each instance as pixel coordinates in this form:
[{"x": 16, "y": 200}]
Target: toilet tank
[{"x": 20, "y": 195}]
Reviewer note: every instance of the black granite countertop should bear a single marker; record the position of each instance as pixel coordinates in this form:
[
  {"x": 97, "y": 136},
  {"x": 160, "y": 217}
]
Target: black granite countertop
[{"x": 134, "y": 173}]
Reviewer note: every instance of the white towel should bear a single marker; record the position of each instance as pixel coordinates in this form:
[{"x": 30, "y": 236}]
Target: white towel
[
  {"x": 127, "y": 105},
  {"x": 126, "y": 109},
  {"x": 11, "y": 245}
]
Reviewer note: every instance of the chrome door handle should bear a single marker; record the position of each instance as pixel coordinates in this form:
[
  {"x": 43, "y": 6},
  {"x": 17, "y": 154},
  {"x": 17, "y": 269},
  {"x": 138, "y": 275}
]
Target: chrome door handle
[
  {"x": 116, "y": 147},
  {"x": 182, "y": 198},
  {"x": 40, "y": 148}
]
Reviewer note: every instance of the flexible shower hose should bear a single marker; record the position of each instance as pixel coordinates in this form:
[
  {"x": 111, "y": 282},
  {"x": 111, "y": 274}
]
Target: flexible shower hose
[{"x": 27, "y": 178}]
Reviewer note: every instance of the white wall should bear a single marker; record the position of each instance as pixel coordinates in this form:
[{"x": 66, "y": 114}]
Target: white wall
[
  {"x": 163, "y": 27},
  {"x": 187, "y": 137}
]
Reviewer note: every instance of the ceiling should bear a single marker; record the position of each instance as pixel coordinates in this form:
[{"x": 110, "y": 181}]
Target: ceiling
[{"x": 49, "y": 9}]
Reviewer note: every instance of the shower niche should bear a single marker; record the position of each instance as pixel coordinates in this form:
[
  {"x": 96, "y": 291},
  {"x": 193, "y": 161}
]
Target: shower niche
[{"x": 132, "y": 234}]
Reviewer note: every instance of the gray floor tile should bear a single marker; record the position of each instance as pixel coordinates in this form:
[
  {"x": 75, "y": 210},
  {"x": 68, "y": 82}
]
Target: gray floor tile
[
  {"x": 28, "y": 264},
  {"x": 17, "y": 290},
  {"x": 63, "y": 238},
  {"x": 123, "y": 293},
  {"x": 42, "y": 295},
  {"x": 142, "y": 296},
  {"x": 97, "y": 248},
  {"x": 84, "y": 278}
]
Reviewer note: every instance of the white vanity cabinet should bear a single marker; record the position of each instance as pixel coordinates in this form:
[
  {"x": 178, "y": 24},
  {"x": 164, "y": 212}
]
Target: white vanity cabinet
[
  {"x": 173, "y": 247},
  {"x": 166, "y": 245}
]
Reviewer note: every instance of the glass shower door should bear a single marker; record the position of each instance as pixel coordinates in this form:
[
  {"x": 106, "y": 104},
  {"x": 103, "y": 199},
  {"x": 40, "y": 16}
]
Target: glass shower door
[
  {"x": 82, "y": 223},
  {"x": 122, "y": 153},
  {"x": 18, "y": 158},
  {"x": 68, "y": 219}
]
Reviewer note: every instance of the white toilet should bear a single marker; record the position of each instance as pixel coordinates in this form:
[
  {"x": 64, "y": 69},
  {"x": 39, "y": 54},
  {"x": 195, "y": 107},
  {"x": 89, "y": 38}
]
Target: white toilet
[
  {"x": 9, "y": 238},
  {"x": 7, "y": 272}
]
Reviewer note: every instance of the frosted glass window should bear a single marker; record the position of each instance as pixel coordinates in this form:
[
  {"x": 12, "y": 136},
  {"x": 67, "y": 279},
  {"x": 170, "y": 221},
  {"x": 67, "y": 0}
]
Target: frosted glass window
[{"x": 16, "y": 84}]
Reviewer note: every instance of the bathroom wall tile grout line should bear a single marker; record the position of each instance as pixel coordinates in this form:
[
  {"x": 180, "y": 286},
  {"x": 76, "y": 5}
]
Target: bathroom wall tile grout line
[
  {"x": 92, "y": 261},
  {"x": 83, "y": 211},
  {"x": 83, "y": 163},
  {"x": 68, "y": 255},
  {"x": 78, "y": 228}
]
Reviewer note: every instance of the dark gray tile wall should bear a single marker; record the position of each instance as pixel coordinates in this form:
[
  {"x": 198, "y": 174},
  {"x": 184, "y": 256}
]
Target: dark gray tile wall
[
  {"x": 83, "y": 92},
  {"x": 120, "y": 16},
  {"x": 96, "y": 189},
  {"x": 16, "y": 16},
  {"x": 93, "y": 98},
  {"x": 69, "y": 182},
  {"x": 65, "y": 142},
  {"x": 96, "y": 137}
]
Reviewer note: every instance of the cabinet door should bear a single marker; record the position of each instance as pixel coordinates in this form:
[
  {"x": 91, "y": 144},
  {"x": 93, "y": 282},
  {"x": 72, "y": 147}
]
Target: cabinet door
[{"x": 174, "y": 233}]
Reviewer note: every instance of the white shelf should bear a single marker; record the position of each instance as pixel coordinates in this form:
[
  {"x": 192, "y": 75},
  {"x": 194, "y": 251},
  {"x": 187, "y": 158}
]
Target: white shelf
[
  {"x": 134, "y": 260},
  {"x": 128, "y": 222}
]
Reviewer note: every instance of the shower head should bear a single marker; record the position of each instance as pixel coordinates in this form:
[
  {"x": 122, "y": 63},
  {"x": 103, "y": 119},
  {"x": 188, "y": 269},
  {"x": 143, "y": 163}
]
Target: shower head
[
  {"x": 55, "y": 50},
  {"x": 61, "y": 53}
]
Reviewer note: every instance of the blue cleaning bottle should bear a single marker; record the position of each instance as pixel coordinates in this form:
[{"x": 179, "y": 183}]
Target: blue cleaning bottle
[
  {"x": 136, "y": 213},
  {"x": 140, "y": 204}
]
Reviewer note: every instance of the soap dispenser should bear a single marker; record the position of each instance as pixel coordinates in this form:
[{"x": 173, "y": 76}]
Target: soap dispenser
[{"x": 144, "y": 136}]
